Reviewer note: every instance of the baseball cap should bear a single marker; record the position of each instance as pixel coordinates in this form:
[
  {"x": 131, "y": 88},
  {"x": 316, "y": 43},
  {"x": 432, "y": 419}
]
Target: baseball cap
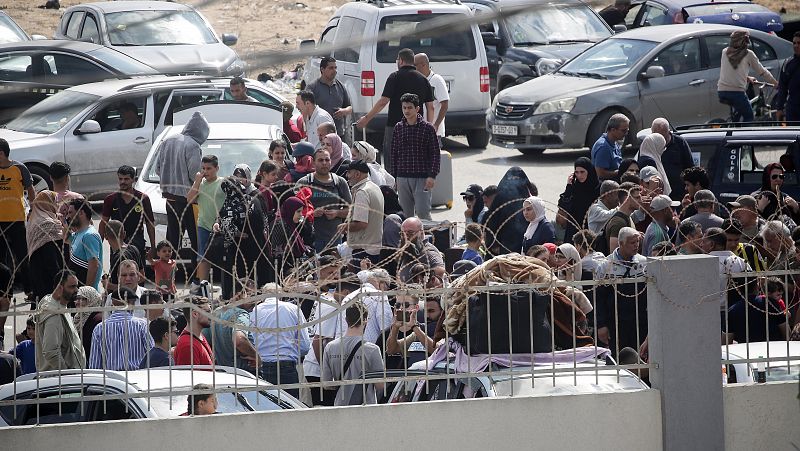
[
  {"x": 472, "y": 190},
  {"x": 704, "y": 194},
  {"x": 647, "y": 173},
  {"x": 660, "y": 202},
  {"x": 302, "y": 149},
  {"x": 358, "y": 165},
  {"x": 462, "y": 267},
  {"x": 744, "y": 201}
]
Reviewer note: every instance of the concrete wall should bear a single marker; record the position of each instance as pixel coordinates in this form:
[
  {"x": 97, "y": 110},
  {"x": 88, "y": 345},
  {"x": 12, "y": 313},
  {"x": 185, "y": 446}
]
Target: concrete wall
[
  {"x": 627, "y": 421},
  {"x": 762, "y": 416}
]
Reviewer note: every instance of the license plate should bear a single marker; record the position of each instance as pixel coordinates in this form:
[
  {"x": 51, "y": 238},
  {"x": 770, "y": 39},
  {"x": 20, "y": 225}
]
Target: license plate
[{"x": 509, "y": 130}]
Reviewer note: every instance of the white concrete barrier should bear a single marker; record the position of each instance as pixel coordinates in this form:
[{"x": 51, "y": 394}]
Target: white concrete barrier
[
  {"x": 762, "y": 416},
  {"x": 629, "y": 421}
]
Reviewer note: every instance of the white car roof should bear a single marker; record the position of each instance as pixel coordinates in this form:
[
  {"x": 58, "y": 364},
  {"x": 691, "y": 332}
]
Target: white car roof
[
  {"x": 233, "y": 131},
  {"x": 109, "y": 87},
  {"x": 759, "y": 349}
]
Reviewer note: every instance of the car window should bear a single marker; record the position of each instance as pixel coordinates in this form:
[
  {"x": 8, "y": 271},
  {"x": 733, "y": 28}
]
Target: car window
[
  {"x": 656, "y": 15},
  {"x": 74, "y": 24},
  {"x": 609, "y": 59},
  {"x": 9, "y": 31},
  {"x": 356, "y": 30},
  {"x": 123, "y": 114},
  {"x": 489, "y": 26},
  {"x": 556, "y": 23},
  {"x": 91, "y": 32},
  {"x": 763, "y": 51},
  {"x": 679, "y": 58},
  {"x": 112, "y": 409},
  {"x": 184, "y": 99},
  {"x": 715, "y": 45},
  {"x": 327, "y": 36},
  {"x": 73, "y": 70},
  {"x": 158, "y": 28},
  {"x": 261, "y": 97},
  {"x": 230, "y": 153},
  {"x": 445, "y": 46},
  {"x": 630, "y": 17},
  {"x": 68, "y": 410},
  {"x": 53, "y": 113},
  {"x": 15, "y": 67}
]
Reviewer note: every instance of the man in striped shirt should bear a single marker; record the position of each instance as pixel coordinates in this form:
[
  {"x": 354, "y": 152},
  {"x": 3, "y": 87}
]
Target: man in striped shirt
[{"x": 121, "y": 341}]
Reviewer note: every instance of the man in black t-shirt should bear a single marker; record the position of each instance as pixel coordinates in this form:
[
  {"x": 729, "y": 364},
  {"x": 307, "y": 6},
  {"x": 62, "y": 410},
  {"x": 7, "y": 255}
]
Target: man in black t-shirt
[
  {"x": 406, "y": 341},
  {"x": 405, "y": 80},
  {"x": 615, "y": 14},
  {"x": 132, "y": 208},
  {"x": 119, "y": 252}
]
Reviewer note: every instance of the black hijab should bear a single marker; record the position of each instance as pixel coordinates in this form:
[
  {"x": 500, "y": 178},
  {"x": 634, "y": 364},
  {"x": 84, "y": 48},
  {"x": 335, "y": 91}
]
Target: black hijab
[
  {"x": 578, "y": 197},
  {"x": 505, "y": 224}
]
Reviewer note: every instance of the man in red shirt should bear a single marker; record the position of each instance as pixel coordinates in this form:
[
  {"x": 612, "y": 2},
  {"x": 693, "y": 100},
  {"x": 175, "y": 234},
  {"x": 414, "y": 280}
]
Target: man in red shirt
[{"x": 192, "y": 347}]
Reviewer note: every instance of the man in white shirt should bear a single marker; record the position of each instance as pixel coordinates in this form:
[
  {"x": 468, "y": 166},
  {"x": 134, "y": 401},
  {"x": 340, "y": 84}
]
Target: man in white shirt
[
  {"x": 715, "y": 243},
  {"x": 313, "y": 116},
  {"x": 380, "y": 316},
  {"x": 441, "y": 97}
]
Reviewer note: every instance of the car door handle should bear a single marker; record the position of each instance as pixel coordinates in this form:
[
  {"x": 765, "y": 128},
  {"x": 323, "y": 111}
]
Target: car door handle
[
  {"x": 141, "y": 140},
  {"x": 697, "y": 82}
]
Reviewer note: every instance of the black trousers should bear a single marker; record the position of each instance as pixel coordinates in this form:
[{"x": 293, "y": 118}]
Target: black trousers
[
  {"x": 14, "y": 255},
  {"x": 45, "y": 263},
  {"x": 180, "y": 219}
]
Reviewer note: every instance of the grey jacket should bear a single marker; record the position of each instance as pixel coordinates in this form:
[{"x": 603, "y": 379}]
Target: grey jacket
[
  {"x": 178, "y": 157},
  {"x": 58, "y": 345}
]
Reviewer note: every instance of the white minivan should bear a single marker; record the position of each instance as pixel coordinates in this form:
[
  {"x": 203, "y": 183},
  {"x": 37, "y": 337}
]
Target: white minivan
[{"x": 458, "y": 56}]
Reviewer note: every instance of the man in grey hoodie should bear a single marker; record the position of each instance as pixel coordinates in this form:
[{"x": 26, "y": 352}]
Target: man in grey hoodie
[
  {"x": 58, "y": 345},
  {"x": 178, "y": 160}
]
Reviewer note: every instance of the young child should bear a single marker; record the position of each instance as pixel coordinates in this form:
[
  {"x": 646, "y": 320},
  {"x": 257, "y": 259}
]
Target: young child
[
  {"x": 207, "y": 191},
  {"x": 474, "y": 237},
  {"x": 164, "y": 269},
  {"x": 25, "y": 351}
]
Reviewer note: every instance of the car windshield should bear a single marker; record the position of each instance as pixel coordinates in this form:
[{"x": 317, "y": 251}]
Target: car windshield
[
  {"x": 458, "y": 45},
  {"x": 611, "y": 58},
  {"x": 722, "y": 8},
  {"x": 556, "y": 24},
  {"x": 158, "y": 28},
  {"x": 9, "y": 31},
  {"x": 230, "y": 153},
  {"x": 51, "y": 114},
  {"x": 245, "y": 401},
  {"x": 122, "y": 63}
]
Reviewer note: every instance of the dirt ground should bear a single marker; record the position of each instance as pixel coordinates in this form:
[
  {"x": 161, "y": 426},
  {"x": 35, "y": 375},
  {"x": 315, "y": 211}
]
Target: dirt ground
[{"x": 260, "y": 24}]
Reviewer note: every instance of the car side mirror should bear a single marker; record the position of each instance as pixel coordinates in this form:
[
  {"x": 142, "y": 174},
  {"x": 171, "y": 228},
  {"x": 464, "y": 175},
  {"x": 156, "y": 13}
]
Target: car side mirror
[
  {"x": 229, "y": 39},
  {"x": 490, "y": 38},
  {"x": 619, "y": 28},
  {"x": 89, "y": 127},
  {"x": 653, "y": 72},
  {"x": 307, "y": 44}
]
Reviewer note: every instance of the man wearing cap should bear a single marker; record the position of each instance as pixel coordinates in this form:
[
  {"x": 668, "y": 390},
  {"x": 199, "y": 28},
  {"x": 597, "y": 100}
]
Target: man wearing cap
[
  {"x": 744, "y": 209},
  {"x": 746, "y": 251},
  {"x": 704, "y": 202},
  {"x": 651, "y": 181},
  {"x": 120, "y": 341},
  {"x": 658, "y": 230},
  {"x": 364, "y": 225}
]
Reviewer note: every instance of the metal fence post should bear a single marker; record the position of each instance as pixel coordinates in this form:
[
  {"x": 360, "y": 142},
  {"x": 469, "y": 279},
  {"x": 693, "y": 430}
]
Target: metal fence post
[{"x": 683, "y": 313}]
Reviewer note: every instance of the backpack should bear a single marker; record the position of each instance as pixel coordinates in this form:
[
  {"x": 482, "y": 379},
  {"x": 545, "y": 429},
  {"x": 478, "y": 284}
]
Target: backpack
[{"x": 601, "y": 242}]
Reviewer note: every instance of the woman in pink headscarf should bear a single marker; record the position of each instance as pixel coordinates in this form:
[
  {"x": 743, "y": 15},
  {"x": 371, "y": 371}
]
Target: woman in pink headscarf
[{"x": 333, "y": 144}]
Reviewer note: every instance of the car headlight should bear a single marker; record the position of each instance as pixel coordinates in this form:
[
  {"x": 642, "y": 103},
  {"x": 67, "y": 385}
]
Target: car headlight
[
  {"x": 555, "y": 106},
  {"x": 547, "y": 65},
  {"x": 236, "y": 67}
]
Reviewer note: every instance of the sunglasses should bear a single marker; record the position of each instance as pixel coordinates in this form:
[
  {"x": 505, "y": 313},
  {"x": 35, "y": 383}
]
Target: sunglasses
[
  {"x": 468, "y": 197},
  {"x": 404, "y": 305},
  {"x": 777, "y": 176}
]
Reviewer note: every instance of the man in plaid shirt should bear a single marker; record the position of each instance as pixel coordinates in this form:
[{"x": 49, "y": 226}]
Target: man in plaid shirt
[{"x": 415, "y": 159}]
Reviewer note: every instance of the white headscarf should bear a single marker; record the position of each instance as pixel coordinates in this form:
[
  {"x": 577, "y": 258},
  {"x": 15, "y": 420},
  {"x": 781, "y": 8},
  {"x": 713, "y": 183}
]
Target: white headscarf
[
  {"x": 653, "y": 146},
  {"x": 572, "y": 254},
  {"x": 539, "y": 211}
]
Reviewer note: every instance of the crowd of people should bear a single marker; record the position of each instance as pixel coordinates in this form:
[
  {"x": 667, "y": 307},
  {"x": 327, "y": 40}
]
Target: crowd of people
[{"x": 322, "y": 225}]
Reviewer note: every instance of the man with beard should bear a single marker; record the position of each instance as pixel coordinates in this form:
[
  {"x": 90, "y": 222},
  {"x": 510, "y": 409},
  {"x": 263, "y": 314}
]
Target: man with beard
[
  {"x": 58, "y": 345},
  {"x": 416, "y": 250},
  {"x": 132, "y": 208},
  {"x": 192, "y": 347}
]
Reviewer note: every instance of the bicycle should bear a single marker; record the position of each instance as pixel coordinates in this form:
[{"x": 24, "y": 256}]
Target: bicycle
[{"x": 759, "y": 93}]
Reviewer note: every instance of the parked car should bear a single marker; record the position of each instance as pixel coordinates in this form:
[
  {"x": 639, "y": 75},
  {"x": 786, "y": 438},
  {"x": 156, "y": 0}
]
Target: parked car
[
  {"x": 11, "y": 32},
  {"x": 780, "y": 370},
  {"x": 239, "y": 133},
  {"x": 645, "y": 13},
  {"x": 537, "y": 40},
  {"x": 30, "y": 71},
  {"x": 458, "y": 56},
  {"x": 736, "y": 155},
  {"x": 644, "y": 73},
  {"x": 81, "y": 125},
  {"x": 162, "y": 393},
  {"x": 560, "y": 382},
  {"x": 172, "y": 37}
]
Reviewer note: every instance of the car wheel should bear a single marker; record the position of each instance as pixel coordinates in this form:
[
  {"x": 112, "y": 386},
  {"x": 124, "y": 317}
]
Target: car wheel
[
  {"x": 478, "y": 138},
  {"x": 598, "y": 127},
  {"x": 532, "y": 151},
  {"x": 41, "y": 178}
]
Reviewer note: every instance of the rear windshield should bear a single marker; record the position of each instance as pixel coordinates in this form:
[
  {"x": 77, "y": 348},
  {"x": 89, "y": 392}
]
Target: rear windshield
[
  {"x": 722, "y": 8},
  {"x": 440, "y": 47}
]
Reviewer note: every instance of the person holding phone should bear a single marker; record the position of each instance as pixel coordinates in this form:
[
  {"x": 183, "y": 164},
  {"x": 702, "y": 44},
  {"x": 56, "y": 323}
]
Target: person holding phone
[{"x": 406, "y": 342}]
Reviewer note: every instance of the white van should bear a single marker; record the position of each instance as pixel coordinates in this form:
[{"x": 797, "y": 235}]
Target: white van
[{"x": 459, "y": 57}]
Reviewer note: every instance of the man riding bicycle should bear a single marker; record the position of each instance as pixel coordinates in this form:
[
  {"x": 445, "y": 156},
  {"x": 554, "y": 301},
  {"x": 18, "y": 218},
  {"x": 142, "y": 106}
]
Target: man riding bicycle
[{"x": 737, "y": 60}]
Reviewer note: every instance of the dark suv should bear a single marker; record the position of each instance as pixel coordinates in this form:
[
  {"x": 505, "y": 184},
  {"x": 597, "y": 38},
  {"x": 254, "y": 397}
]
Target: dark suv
[{"x": 537, "y": 39}]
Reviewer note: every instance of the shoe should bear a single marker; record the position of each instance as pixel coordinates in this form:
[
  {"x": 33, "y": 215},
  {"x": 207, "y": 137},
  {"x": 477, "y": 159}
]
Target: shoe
[{"x": 201, "y": 289}]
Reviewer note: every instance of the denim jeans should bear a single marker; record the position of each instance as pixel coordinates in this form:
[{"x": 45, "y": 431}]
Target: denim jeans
[
  {"x": 287, "y": 370},
  {"x": 742, "y": 111}
]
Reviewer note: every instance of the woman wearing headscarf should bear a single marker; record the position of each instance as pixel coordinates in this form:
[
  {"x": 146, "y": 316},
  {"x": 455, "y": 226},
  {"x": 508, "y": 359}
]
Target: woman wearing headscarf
[
  {"x": 363, "y": 150},
  {"x": 583, "y": 188},
  {"x": 737, "y": 60},
  {"x": 289, "y": 236},
  {"x": 627, "y": 166},
  {"x": 333, "y": 144},
  {"x": 539, "y": 230},
  {"x": 772, "y": 203},
  {"x": 653, "y": 146},
  {"x": 45, "y": 236},
  {"x": 303, "y": 162},
  {"x": 85, "y": 322},
  {"x": 505, "y": 223},
  {"x": 568, "y": 263}
]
